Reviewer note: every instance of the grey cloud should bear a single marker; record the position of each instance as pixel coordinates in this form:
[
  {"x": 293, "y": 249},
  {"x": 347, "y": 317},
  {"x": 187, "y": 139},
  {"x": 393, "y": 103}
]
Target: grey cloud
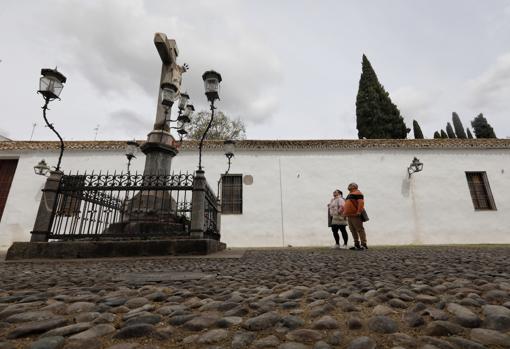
[
  {"x": 110, "y": 43},
  {"x": 127, "y": 121},
  {"x": 492, "y": 88}
]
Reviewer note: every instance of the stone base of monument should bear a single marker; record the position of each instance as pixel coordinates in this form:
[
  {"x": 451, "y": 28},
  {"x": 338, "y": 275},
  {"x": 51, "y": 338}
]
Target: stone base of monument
[{"x": 105, "y": 249}]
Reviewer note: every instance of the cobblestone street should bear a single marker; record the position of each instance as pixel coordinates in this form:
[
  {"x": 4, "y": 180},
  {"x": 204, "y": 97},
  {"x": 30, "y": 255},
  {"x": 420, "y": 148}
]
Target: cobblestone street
[{"x": 409, "y": 297}]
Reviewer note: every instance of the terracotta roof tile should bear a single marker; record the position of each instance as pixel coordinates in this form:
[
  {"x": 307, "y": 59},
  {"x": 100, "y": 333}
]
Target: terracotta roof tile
[{"x": 325, "y": 144}]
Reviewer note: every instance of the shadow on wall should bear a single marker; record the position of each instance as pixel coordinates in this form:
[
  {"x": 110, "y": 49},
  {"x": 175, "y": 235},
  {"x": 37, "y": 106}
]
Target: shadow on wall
[{"x": 406, "y": 186}]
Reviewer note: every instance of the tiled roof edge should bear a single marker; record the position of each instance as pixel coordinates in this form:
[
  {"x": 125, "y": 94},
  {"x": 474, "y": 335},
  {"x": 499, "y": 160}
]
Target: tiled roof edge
[{"x": 490, "y": 143}]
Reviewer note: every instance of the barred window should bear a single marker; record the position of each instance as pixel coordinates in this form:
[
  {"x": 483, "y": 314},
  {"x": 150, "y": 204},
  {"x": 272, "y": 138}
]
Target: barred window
[
  {"x": 480, "y": 191},
  {"x": 232, "y": 194}
]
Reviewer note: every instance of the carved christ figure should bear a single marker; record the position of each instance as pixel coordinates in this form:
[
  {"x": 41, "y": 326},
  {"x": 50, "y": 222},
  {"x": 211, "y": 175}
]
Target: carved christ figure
[{"x": 170, "y": 72}]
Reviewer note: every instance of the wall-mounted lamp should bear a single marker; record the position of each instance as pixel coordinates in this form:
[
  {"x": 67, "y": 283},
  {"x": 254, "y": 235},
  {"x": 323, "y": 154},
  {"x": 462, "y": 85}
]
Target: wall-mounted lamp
[
  {"x": 42, "y": 168},
  {"x": 416, "y": 166}
]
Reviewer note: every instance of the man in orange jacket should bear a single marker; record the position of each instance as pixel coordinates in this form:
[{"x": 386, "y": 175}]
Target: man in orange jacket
[{"x": 354, "y": 205}]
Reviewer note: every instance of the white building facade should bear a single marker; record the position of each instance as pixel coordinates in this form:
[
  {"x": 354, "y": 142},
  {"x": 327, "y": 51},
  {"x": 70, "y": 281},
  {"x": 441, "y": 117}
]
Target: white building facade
[{"x": 462, "y": 196}]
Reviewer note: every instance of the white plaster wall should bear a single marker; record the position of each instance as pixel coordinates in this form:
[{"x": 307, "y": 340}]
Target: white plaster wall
[{"x": 286, "y": 204}]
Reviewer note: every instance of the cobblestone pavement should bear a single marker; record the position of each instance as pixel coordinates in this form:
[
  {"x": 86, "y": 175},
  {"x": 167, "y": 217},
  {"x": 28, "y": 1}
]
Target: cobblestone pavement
[{"x": 426, "y": 297}]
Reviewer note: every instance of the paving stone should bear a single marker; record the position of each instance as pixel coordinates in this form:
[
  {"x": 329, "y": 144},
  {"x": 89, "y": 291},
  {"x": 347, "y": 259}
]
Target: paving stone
[
  {"x": 68, "y": 330},
  {"x": 262, "y": 322},
  {"x": 242, "y": 339},
  {"x": 56, "y": 342},
  {"x": 427, "y": 299},
  {"x": 181, "y": 319},
  {"x": 335, "y": 338},
  {"x": 213, "y": 336},
  {"x": 442, "y": 328},
  {"x": 293, "y": 345},
  {"x": 152, "y": 319},
  {"x": 382, "y": 310},
  {"x": 30, "y": 328},
  {"x": 304, "y": 336},
  {"x": 87, "y": 317},
  {"x": 229, "y": 321},
  {"x": 362, "y": 343},
  {"x": 382, "y": 324},
  {"x": 436, "y": 342},
  {"x": 321, "y": 345},
  {"x": 490, "y": 337},
  {"x": 354, "y": 322},
  {"x": 496, "y": 317},
  {"x": 92, "y": 343},
  {"x": 437, "y": 314},
  {"x": 498, "y": 296},
  {"x": 81, "y": 307},
  {"x": 325, "y": 323},
  {"x": 413, "y": 319},
  {"x": 135, "y": 331},
  {"x": 292, "y": 294},
  {"x": 267, "y": 342},
  {"x": 201, "y": 322},
  {"x": 403, "y": 339},
  {"x": 463, "y": 343},
  {"x": 93, "y": 332},
  {"x": 397, "y": 303},
  {"x": 30, "y": 316},
  {"x": 463, "y": 316},
  {"x": 125, "y": 346},
  {"x": 136, "y": 302}
]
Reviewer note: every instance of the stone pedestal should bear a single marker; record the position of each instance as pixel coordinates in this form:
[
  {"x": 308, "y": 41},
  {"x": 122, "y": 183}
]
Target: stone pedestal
[
  {"x": 198, "y": 206},
  {"x": 106, "y": 249},
  {"x": 43, "y": 220}
]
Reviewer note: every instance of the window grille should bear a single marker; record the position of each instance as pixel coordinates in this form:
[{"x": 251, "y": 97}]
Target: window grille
[
  {"x": 480, "y": 191},
  {"x": 232, "y": 194}
]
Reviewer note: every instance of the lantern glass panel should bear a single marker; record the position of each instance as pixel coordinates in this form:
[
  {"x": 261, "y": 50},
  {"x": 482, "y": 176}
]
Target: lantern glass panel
[
  {"x": 183, "y": 100},
  {"x": 229, "y": 147},
  {"x": 169, "y": 94},
  {"x": 131, "y": 148},
  {"x": 50, "y": 85},
  {"x": 211, "y": 85}
]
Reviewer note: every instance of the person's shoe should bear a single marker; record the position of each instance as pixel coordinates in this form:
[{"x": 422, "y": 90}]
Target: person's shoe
[
  {"x": 344, "y": 246},
  {"x": 364, "y": 246},
  {"x": 356, "y": 247},
  {"x": 335, "y": 247}
]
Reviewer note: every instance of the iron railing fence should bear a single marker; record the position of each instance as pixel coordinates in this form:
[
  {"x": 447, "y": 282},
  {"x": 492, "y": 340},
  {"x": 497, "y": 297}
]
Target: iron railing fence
[
  {"x": 211, "y": 214},
  {"x": 122, "y": 205}
]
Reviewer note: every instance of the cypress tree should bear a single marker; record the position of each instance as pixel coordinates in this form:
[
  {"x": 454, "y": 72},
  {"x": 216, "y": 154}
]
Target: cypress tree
[
  {"x": 443, "y": 134},
  {"x": 417, "y": 130},
  {"x": 376, "y": 115},
  {"x": 469, "y": 135},
  {"x": 449, "y": 131},
  {"x": 457, "y": 125},
  {"x": 437, "y": 135},
  {"x": 482, "y": 128}
]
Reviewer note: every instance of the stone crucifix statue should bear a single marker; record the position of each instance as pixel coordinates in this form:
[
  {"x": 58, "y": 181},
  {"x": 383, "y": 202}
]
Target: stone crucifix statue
[{"x": 171, "y": 72}]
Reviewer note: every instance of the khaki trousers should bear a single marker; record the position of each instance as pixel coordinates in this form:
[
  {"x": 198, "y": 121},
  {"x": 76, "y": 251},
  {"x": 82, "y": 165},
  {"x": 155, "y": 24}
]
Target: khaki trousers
[{"x": 357, "y": 230}]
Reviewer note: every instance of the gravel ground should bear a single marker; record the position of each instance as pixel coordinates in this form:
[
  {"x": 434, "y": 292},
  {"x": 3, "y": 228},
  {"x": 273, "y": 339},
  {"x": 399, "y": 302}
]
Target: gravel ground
[{"x": 412, "y": 297}]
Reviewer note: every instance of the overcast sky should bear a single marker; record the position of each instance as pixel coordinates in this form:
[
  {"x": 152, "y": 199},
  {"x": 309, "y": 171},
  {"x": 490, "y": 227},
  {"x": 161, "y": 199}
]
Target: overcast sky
[{"x": 290, "y": 68}]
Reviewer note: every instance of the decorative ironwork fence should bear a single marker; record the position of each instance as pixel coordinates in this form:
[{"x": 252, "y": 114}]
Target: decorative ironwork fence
[
  {"x": 95, "y": 206},
  {"x": 211, "y": 214}
]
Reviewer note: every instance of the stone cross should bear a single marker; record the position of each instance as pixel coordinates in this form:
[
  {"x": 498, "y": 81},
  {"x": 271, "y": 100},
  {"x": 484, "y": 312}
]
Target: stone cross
[{"x": 171, "y": 72}]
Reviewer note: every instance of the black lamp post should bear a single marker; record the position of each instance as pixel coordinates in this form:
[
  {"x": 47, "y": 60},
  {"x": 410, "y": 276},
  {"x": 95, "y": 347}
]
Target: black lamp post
[
  {"x": 228, "y": 147},
  {"x": 51, "y": 84},
  {"x": 131, "y": 149},
  {"x": 212, "y": 81},
  {"x": 416, "y": 166},
  {"x": 169, "y": 94},
  {"x": 41, "y": 168}
]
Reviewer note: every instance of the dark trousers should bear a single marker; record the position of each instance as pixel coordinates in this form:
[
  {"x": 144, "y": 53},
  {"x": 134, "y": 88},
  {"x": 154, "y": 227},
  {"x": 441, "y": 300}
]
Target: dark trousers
[{"x": 335, "y": 228}]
